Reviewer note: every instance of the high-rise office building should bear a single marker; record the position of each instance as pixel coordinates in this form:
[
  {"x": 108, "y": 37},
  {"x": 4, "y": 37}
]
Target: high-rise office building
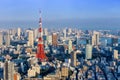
[
  {"x": 54, "y": 39},
  {"x": 7, "y": 39},
  {"x": 45, "y": 31},
  {"x": 8, "y": 70},
  {"x": 35, "y": 34},
  {"x": 115, "y": 54},
  {"x": 12, "y": 32},
  {"x": 49, "y": 39},
  {"x": 77, "y": 38},
  {"x": 30, "y": 38},
  {"x": 1, "y": 38},
  {"x": 95, "y": 38},
  {"x": 64, "y": 33},
  {"x": 18, "y": 32},
  {"x": 88, "y": 51},
  {"x": 69, "y": 31},
  {"x": 70, "y": 49},
  {"x": 73, "y": 58}
]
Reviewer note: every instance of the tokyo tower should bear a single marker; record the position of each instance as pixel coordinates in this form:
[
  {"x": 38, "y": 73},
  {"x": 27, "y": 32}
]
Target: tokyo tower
[{"x": 40, "y": 47}]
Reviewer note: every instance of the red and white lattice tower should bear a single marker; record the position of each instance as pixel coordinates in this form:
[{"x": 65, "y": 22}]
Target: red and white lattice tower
[{"x": 40, "y": 47}]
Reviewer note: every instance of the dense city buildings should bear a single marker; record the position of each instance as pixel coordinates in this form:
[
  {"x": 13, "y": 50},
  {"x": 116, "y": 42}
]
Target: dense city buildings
[
  {"x": 60, "y": 54},
  {"x": 65, "y": 59},
  {"x": 68, "y": 40},
  {"x": 53, "y": 56}
]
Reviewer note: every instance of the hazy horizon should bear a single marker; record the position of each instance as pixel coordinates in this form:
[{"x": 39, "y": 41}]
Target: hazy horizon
[{"x": 83, "y": 14}]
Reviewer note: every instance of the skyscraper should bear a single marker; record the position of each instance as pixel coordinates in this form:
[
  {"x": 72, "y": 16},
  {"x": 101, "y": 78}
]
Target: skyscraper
[
  {"x": 7, "y": 39},
  {"x": 73, "y": 58},
  {"x": 1, "y": 38},
  {"x": 30, "y": 38},
  {"x": 95, "y": 38},
  {"x": 49, "y": 39},
  {"x": 88, "y": 51},
  {"x": 45, "y": 32},
  {"x": 54, "y": 39},
  {"x": 69, "y": 31},
  {"x": 35, "y": 34},
  {"x": 64, "y": 33},
  {"x": 18, "y": 32},
  {"x": 8, "y": 70},
  {"x": 12, "y": 32},
  {"x": 70, "y": 49},
  {"x": 77, "y": 38}
]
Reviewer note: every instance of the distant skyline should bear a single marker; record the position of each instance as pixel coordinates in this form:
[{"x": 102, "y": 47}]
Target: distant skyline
[{"x": 84, "y": 14}]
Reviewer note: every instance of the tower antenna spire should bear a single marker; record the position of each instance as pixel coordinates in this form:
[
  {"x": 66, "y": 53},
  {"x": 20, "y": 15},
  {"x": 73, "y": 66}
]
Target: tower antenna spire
[
  {"x": 40, "y": 13},
  {"x": 40, "y": 47}
]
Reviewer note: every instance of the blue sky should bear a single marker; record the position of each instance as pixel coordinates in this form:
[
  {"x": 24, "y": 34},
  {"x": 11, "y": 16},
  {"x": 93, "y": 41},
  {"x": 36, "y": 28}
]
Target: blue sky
[{"x": 60, "y": 13}]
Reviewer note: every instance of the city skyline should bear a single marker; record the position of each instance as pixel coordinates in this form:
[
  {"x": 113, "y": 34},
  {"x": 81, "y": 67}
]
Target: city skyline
[
  {"x": 59, "y": 40},
  {"x": 65, "y": 53},
  {"x": 83, "y": 14}
]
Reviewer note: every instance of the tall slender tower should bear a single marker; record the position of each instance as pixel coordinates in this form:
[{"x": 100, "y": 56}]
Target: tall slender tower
[{"x": 40, "y": 47}]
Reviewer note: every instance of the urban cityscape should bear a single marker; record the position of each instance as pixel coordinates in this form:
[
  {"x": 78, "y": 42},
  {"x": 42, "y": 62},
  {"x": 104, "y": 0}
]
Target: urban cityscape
[{"x": 64, "y": 53}]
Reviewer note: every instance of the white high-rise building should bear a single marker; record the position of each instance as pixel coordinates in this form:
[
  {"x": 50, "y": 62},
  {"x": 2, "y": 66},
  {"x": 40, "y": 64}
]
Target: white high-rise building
[
  {"x": 95, "y": 38},
  {"x": 88, "y": 51},
  {"x": 35, "y": 34},
  {"x": 49, "y": 39},
  {"x": 45, "y": 31},
  {"x": 30, "y": 38},
  {"x": 77, "y": 38},
  {"x": 64, "y": 33},
  {"x": 18, "y": 32},
  {"x": 69, "y": 31},
  {"x": 1, "y": 38},
  {"x": 12, "y": 32},
  {"x": 70, "y": 49}
]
